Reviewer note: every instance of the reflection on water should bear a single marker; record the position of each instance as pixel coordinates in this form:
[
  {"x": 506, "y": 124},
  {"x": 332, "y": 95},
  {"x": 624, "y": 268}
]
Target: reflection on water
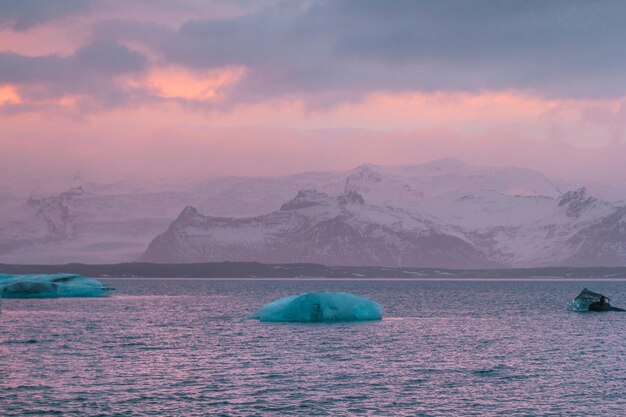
[{"x": 185, "y": 347}]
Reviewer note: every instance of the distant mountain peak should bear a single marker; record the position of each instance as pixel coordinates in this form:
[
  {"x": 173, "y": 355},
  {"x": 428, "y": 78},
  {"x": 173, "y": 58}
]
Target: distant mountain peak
[
  {"x": 188, "y": 212},
  {"x": 365, "y": 172},
  {"x": 573, "y": 195},
  {"x": 306, "y": 198},
  {"x": 576, "y": 201}
]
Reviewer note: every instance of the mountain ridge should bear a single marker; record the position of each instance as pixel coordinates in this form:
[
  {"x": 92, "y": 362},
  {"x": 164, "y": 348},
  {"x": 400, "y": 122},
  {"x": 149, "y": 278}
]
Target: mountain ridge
[
  {"x": 313, "y": 227},
  {"x": 517, "y": 230},
  {"x": 513, "y": 216}
]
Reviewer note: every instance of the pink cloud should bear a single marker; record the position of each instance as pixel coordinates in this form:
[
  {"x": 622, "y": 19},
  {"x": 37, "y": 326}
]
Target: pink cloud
[{"x": 173, "y": 143}]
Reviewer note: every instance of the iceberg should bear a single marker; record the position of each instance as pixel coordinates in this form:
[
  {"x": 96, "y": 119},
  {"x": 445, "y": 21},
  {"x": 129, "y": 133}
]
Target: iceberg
[
  {"x": 591, "y": 301},
  {"x": 318, "y": 307},
  {"x": 50, "y": 286}
]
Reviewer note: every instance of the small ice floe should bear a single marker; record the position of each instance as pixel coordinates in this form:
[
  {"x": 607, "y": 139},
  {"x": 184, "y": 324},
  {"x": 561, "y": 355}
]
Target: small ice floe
[
  {"x": 320, "y": 307},
  {"x": 50, "y": 286},
  {"x": 592, "y": 301}
]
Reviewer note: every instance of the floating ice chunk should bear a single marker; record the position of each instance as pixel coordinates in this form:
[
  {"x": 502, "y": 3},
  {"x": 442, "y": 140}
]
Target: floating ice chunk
[
  {"x": 320, "y": 307},
  {"x": 50, "y": 286},
  {"x": 591, "y": 301},
  {"x": 583, "y": 300}
]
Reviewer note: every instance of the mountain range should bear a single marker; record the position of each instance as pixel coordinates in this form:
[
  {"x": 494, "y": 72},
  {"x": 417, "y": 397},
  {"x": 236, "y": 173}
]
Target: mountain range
[{"x": 445, "y": 213}]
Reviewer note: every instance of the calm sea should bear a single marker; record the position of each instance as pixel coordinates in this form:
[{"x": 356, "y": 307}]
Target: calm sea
[{"x": 186, "y": 348}]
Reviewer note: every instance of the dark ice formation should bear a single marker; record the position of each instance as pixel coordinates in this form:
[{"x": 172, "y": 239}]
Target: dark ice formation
[
  {"x": 592, "y": 301},
  {"x": 320, "y": 307},
  {"x": 50, "y": 286}
]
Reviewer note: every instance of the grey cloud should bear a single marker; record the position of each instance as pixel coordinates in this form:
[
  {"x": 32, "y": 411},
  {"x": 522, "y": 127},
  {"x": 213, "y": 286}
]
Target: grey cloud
[
  {"x": 19, "y": 69},
  {"x": 24, "y": 14},
  {"x": 91, "y": 73},
  {"x": 556, "y": 48},
  {"x": 111, "y": 58},
  {"x": 333, "y": 51},
  {"x": 106, "y": 58}
]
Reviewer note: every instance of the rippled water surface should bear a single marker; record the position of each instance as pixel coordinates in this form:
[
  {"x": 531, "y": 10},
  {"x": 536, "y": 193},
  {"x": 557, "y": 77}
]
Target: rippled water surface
[{"x": 186, "y": 348}]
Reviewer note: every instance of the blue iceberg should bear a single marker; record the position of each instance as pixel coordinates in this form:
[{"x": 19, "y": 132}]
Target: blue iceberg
[
  {"x": 50, "y": 286},
  {"x": 317, "y": 307}
]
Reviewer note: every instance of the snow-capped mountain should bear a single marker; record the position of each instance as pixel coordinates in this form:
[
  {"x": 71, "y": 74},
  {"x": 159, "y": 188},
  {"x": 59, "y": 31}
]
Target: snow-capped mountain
[
  {"x": 444, "y": 213},
  {"x": 314, "y": 227},
  {"x": 41, "y": 220},
  {"x": 114, "y": 222},
  {"x": 578, "y": 230}
]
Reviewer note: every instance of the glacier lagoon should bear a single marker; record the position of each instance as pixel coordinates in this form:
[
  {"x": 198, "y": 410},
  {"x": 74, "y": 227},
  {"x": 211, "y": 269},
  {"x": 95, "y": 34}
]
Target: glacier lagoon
[
  {"x": 320, "y": 307},
  {"x": 50, "y": 286},
  {"x": 187, "y": 347}
]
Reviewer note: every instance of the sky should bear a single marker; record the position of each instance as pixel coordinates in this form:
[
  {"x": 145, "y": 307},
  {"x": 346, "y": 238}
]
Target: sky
[{"x": 190, "y": 88}]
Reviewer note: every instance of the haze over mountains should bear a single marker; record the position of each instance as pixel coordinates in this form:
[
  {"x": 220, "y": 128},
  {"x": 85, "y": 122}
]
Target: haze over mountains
[{"x": 445, "y": 213}]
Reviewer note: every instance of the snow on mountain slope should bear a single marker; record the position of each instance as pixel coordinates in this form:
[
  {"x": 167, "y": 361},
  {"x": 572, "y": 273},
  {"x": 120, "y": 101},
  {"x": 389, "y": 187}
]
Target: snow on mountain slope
[
  {"x": 39, "y": 221},
  {"x": 512, "y": 216},
  {"x": 314, "y": 227},
  {"x": 582, "y": 230},
  {"x": 575, "y": 230},
  {"x": 456, "y": 193},
  {"x": 451, "y": 175},
  {"x": 114, "y": 222}
]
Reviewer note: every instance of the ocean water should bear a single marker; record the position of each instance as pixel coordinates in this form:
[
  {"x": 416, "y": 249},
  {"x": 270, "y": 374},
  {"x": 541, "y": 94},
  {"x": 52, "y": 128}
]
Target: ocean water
[{"x": 187, "y": 348}]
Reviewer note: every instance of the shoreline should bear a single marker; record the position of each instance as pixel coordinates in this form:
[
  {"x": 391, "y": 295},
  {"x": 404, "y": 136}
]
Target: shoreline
[{"x": 306, "y": 271}]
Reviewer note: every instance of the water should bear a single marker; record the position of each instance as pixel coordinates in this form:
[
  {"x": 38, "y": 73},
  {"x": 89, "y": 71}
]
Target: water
[{"x": 185, "y": 347}]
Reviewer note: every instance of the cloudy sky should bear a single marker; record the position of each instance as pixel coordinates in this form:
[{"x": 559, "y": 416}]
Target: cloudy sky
[{"x": 158, "y": 88}]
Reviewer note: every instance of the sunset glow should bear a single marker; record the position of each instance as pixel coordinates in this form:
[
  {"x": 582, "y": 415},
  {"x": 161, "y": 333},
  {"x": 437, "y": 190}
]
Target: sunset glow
[
  {"x": 87, "y": 70},
  {"x": 312, "y": 207},
  {"x": 179, "y": 83},
  {"x": 8, "y": 95}
]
